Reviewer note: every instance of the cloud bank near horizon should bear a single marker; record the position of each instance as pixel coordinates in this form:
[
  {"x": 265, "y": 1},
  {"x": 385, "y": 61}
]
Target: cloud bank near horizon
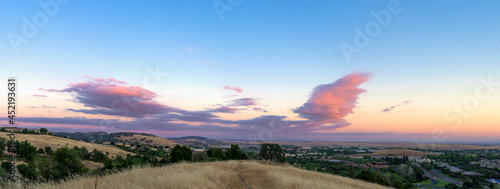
[{"x": 323, "y": 112}]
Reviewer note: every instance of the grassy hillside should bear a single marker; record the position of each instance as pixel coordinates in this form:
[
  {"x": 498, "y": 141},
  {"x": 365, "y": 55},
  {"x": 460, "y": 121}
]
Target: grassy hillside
[
  {"x": 231, "y": 174},
  {"x": 146, "y": 139},
  {"x": 40, "y": 141}
]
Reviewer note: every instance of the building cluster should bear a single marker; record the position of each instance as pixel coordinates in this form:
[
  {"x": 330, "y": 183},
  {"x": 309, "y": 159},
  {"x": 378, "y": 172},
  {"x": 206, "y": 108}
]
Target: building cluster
[
  {"x": 455, "y": 170},
  {"x": 490, "y": 164},
  {"x": 18, "y": 129}
]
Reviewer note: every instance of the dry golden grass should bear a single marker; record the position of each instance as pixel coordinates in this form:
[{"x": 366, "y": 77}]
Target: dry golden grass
[
  {"x": 40, "y": 141},
  {"x": 215, "y": 175},
  {"x": 395, "y": 152},
  {"x": 155, "y": 140},
  {"x": 92, "y": 165}
]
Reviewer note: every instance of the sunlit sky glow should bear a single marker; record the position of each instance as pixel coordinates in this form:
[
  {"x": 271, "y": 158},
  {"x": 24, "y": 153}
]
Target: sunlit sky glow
[{"x": 263, "y": 70}]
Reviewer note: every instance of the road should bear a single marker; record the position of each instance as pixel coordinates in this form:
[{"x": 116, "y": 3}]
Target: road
[{"x": 435, "y": 174}]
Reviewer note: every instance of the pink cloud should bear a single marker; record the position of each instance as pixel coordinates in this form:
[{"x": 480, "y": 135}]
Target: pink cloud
[
  {"x": 39, "y": 95},
  {"x": 112, "y": 97},
  {"x": 237, "y": 89},
  {"x": 330, "y": 103}
]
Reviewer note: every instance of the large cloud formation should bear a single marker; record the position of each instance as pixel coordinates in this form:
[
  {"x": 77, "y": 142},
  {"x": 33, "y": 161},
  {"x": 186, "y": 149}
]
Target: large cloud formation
[
  {"x": 113, "y": 97},
  {"x": 330, "y": 103},
  {"x": 324, "y": 111}
]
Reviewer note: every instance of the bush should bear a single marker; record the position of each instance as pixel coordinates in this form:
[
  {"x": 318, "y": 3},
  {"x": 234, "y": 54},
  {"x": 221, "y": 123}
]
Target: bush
[{"x": 200, "y": 157}]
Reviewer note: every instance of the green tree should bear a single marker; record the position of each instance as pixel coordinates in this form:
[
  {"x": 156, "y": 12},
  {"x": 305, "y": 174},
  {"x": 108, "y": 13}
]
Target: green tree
[
  {"x": 66, "y": 161},
  {"x": 25, "y": 131},
  {"x": 217, "y": 154},
  {"x": 235, "y": 152},
  {"x": 28, "y": 171},
  {"x": 3, "y": 144},
  {"x": 180, "y": 153},
  {"x": 26, "y": 150},
  {"x": 43, "y": 130},
  {"x": 98, "y": 155},
  {"x": 451, "y": 186},
  {"x": 3, "y": 129},
  {"x": 272, "y": 152},
  {"x": 48, "y": 150},
  {"x": 40, "y": 151},
  {"x": 44, "y": 167}
]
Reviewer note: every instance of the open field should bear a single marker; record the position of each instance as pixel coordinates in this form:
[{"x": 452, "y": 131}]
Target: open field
[
  {"x": 396, "y": 152},
  {"x": 143, "y": 139},
  {"x": 375, "y": 144},
  {"x": 40, "y": 141},
  {"x": 231, "y": 174}
]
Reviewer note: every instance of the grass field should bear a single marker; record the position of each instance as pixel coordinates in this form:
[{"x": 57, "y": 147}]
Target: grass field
[
  {"x": 40, "y": 141},
  {"x": 427, "y": 182},
  {"x": 230, "y": 174}
]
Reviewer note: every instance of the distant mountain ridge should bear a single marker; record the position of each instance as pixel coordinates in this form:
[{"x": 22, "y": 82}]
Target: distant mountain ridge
[{"x": 190, "y": 137}]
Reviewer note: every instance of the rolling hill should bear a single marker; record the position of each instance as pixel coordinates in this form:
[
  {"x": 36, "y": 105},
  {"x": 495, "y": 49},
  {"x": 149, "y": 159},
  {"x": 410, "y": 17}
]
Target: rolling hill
[
  {"x": 120, "y": 137},
  {"x": 230, "y": 174},
  {"x": 145, "y": 139},
  {"x": 40, "y": 141}
]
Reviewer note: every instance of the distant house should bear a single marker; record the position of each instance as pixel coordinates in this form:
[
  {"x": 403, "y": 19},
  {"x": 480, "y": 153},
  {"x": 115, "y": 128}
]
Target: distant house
[
  {"x": 423, "y": 160},
  {"x": 14, "y": 129}
]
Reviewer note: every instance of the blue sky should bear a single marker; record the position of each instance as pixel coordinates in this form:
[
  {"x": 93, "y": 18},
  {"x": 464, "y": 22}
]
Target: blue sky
[{"x": 430, "y": 53}]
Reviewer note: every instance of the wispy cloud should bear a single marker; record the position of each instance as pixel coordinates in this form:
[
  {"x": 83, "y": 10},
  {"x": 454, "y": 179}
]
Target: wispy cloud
[
  {"x": 244, "y": 102},
  {"x": 406, "y": 102},
  {"x": 237, "y": 89},
  {"x": 188, "y": 50},
  {"x": 43, "y": 107},
  {"x": 39, "y": 95}
]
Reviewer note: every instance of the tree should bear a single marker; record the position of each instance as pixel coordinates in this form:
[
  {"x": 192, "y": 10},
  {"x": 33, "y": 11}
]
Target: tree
[
  {"x": 272, "y": 152},
  {"x": 44, "y": 167},
  {"x": 451, "y": 186},
  {"x": 66, "y": 161},
  {"x": 180, "y": 153},
  {"x": 200, "y": 157},
  {"x": 3, "y": 144},
  {"x": 98, "y": 155},
  {"x": 25, "y": 131},
  {"x": 235, "y": 152},
  {"x": 27, "y": 151},
  {"x": 217, "y": 154},
  {"x": 28, "y": 171},
  {"x": 3, "y": 129},
  {"x": 48, "y": 150},
  {"x": 43, "y": 130},
  {"x": 40, "y": 151}
]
